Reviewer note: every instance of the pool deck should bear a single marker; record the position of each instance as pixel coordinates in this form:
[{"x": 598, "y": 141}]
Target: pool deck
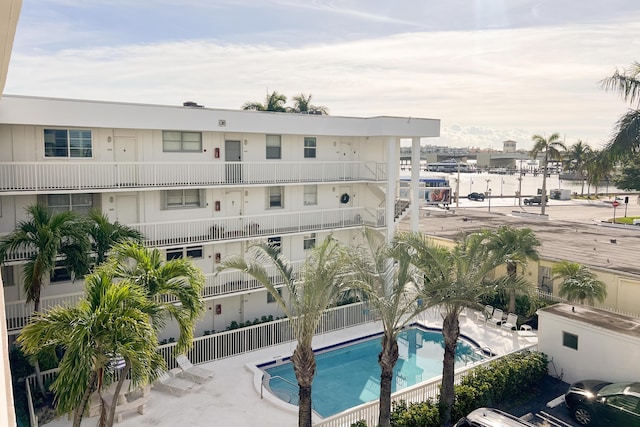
[{"x": 233, "y": 396}]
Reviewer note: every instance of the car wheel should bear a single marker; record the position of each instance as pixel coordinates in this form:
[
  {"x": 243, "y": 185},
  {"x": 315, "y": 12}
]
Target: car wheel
[{"x": 583, "y": 415}]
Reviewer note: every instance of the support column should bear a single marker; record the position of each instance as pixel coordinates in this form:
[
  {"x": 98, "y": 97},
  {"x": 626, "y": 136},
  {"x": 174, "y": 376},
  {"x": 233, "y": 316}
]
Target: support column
[
  {"x": 415, "y": 184},
  {"x": 393, "y": 165}
]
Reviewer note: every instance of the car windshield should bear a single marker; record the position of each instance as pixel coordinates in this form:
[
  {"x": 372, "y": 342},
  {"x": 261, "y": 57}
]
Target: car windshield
[{"x": 613, "y": 389}]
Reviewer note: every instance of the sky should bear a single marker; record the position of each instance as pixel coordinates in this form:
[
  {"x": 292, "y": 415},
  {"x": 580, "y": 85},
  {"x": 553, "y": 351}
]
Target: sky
[{"x": 490, "y": 70}]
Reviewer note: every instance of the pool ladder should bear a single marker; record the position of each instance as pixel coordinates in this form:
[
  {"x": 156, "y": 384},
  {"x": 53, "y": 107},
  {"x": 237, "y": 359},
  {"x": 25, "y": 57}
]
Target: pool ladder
[{"x": 266, "y": 378}]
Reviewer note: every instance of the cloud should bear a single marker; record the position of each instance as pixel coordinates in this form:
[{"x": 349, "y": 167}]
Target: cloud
[{"x": 485, "y": 86}]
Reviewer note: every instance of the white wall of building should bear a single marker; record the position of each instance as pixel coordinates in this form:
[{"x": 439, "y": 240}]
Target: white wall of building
[{"x": 602, "y": 353}]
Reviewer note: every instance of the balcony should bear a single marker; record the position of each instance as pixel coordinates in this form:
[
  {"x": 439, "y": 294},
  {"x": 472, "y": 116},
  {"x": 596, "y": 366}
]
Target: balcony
[
  {"x": 176, "y": 233},
  {"x": 21, "y": 177},
  {"x": 17, "y": 313}
]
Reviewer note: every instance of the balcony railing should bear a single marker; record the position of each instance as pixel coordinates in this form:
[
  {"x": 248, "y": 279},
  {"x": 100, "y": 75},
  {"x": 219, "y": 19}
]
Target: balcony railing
[
  {"x": 73, "y": 176},
  {"x": 251, "y": 227},
  {"x": 225, "y": 283},
  {"x": 174, "y": 233}
]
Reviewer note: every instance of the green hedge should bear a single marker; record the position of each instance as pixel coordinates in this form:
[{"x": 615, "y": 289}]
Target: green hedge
[{"x": 485, "y": 386}]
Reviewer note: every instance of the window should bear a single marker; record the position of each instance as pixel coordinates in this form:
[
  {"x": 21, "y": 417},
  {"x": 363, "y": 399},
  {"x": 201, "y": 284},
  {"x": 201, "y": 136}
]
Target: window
[
  {"x": 188, "y": 252},
  {"x": 274, "y": 147},
  {"x": 270, "y": 298},
  {"x": 174, "y": 254},
  {"x": 310, "y": 195},
  {"x": 275, "y": 242},
  {"x": 187, "y": 198},
  {"x": 569, "y": 340},
  {"x": 79, "y": 203},
  {"x": 309, "y": 147},
  {"x": 181, "y": 142},
  {"x": 60, "y": 273},
  {"x": 276, "y": 199},
  {"x": 67, "y": 143},
  {"x": 309, "y": 241},
  {"x": 7, "y": 276}
]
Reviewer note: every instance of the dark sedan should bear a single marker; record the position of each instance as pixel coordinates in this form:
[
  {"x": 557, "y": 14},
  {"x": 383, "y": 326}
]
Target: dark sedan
[
  {"x": 596, "y": 402},
  {"x": 476, "y": 196}
]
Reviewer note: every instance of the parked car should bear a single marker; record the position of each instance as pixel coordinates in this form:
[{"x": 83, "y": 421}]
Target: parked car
[
  {"x": 476, "y": 196},
  {"x": 535, "y": 200},
  {"x": 490, "y": 417},
  {"x": 597, "y": 402}
]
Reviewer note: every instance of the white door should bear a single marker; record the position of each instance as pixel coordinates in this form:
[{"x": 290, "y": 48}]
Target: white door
[
  {"x": 127, "y": 209},
  {"x": 347, "y": 156},
  {"x": 233, "y": 209},
  {"x": 124, "y": 154}
]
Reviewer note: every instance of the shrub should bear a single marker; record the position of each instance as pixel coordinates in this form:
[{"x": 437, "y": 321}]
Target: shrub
[{"x": 424, "y": 414}]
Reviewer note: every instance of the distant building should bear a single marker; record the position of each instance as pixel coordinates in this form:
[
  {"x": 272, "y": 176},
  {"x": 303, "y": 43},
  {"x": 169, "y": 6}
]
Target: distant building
[{"x": 509, "y": 146}]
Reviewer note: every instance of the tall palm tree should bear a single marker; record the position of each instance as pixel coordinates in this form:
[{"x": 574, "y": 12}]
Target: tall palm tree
[
  {"x": 626, "y": 139},
  {"x": 515, "y": 247},
  {"x": 164, "y": 282},
  {"x": 274, "y": 102},
  {"x": 111, "y": 320},
  {"x": 579, "y": 283},
  {"x": 551, "y": 148},
  {"x": 388, "y": 280},
  {"x": 453, "y": 279},
  {"x": 578, "y": 156},
  {"x": 104, "y": 234},
  {"x": 47, "y": 237},
  {"x": 321, "y": 285},
  {"x": 302, "y": 104}
]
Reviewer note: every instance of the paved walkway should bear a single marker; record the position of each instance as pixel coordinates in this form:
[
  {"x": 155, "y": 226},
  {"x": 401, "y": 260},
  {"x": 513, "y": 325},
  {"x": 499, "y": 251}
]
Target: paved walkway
[{"x": 232, "y": 398}]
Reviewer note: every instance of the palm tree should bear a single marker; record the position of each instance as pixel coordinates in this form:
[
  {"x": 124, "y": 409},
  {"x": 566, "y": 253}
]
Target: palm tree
[
  {"x": 164, "y": 282},
  {"x": 626, "y": 139},
  {"x": 320, "y": 287},
  {"x": 599, "y": 166},
  {"x": 388, "y": 280},
  {"x": 453, "y": 279},
  {"x": 104, "y": 234},
  {"x": 111, "y": 320},
  {"x": 47, "y": 237},
  {"x": 303, "y": 104},
  {"x": 551, "y": 148},
  {"x": 579, "y": 283},
  {"x": 514, "y": 246},
  {"x": 273, "y": 102},
  {"x": 578, "y": 156}
]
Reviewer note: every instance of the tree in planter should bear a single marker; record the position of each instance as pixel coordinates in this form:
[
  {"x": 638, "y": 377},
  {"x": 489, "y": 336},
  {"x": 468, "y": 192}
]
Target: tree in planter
[
  {"x": 46, "y": 237},
  {"x": 513, "y": 246},
  {"x": 453, "y": 279},
  {"x": 388, "y": 281},
  {"x": 105, "y": 234},
  {"x": 579, "y": 283},
  {"x": 111, "y": 320},
  {"x": 320, "y": 285}
]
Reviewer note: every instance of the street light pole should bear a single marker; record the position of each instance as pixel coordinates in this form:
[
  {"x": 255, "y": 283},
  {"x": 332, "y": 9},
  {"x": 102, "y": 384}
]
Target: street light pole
[{"x": 501, "y": 182}]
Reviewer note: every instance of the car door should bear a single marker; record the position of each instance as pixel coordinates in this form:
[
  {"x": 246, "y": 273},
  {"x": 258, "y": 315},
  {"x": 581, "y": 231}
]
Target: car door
[{"x": 620, "y": 410}]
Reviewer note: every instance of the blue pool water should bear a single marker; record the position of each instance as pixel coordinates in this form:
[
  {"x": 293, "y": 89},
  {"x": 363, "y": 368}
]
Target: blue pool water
[{"x": 349, "y": 375}]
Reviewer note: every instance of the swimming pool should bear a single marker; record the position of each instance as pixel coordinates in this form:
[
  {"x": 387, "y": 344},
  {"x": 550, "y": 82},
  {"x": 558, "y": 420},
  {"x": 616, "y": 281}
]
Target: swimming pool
[{"x": 349, "y": 375}]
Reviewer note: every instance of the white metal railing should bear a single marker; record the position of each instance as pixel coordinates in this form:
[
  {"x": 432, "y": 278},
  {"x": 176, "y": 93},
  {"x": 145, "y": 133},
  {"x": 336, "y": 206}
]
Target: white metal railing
[
  {"x": 172, "y": 233},
  {"x": 238, "y": 341},
  {"x": 422, "y": 392},
  {"x": 248, "y": 227},
  {"x": 89, "y": 175},
  {"x": 17, "y": 313}
]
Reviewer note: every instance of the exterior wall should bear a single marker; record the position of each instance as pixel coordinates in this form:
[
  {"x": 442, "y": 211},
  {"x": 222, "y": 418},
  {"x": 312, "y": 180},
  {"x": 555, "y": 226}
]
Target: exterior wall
[{"x": 601, "y": 354}]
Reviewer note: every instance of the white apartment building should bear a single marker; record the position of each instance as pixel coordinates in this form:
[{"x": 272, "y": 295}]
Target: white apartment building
[{"x": 200, "y": 183}]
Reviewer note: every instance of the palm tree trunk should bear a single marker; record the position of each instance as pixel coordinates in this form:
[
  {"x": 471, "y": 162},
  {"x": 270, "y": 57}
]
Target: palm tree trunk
[
  {"x": 387, "y": 360},
  {"x": 304, "y": 365},
  {"x": 543, "y": 200},
  {"x": 79, "y": 412},
  {"x": 512, "y": 271},
  {"x": 116, "y": 393},
  {"x": 450, "y": 333},
  {"x": 36, "y": 366}
]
